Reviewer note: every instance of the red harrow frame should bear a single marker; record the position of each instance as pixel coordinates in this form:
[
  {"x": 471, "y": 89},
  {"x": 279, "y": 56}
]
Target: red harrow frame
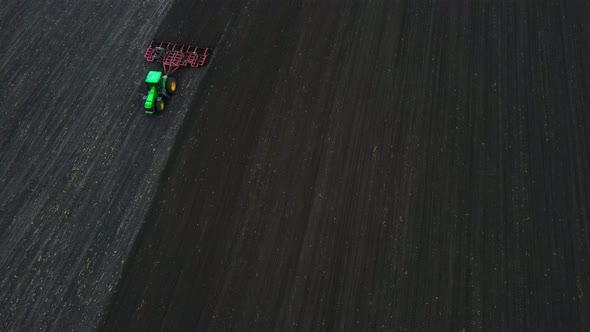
[{"x": 173, "y": 55}]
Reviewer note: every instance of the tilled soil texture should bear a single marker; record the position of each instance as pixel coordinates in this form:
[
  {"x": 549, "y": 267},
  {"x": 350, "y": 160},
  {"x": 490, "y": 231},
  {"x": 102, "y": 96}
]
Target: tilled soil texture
[
  {"x": 79, "y": 160},
  {"x": 364, "y": 165}
]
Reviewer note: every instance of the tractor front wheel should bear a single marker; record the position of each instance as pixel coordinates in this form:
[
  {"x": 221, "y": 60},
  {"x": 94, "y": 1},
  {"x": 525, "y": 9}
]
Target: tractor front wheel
[
  {"x": 170, "y": 85},
  {"x": 160, "y": 105}
]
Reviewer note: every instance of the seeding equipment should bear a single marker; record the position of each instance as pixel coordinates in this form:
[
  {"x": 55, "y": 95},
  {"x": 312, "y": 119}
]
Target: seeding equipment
[{"x": 172, "y": 56}]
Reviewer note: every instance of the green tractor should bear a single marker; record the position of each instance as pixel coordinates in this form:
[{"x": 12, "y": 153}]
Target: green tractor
[
  {"x": 172, "y": 56},
  {"x": 161, "y": 87}
]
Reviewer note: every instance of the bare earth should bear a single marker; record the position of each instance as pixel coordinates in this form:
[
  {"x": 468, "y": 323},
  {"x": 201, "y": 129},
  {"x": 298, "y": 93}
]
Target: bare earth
[{"x": 338, "y": 165}]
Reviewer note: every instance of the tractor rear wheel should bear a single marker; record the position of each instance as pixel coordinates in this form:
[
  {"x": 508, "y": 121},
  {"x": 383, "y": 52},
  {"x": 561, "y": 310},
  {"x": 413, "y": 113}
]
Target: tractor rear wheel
[
  {"x": 160, "y": 105},
  {"x": 170, "y": 85}
]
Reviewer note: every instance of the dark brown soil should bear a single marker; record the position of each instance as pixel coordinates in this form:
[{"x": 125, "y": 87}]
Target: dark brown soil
[
  {"x": 338, "y": 165},
  {"x": 393, "y": 165}
]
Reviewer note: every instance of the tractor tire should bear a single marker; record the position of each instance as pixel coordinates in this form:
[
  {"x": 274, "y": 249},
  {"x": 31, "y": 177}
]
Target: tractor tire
[
  {"x": 171, "y": 85},
  {"x": 160, "y": 105}
]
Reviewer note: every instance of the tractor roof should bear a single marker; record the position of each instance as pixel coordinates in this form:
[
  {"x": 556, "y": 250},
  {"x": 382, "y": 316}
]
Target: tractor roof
[{"x": 153, "y": 77}]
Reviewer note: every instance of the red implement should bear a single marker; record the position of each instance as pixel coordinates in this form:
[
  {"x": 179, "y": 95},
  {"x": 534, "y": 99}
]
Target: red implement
[{"x": 173, "y": 55}]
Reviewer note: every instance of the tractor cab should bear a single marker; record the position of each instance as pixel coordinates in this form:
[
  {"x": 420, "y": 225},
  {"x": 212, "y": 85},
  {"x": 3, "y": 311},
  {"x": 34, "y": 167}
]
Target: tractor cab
[{"x": 160, "y": 87}]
